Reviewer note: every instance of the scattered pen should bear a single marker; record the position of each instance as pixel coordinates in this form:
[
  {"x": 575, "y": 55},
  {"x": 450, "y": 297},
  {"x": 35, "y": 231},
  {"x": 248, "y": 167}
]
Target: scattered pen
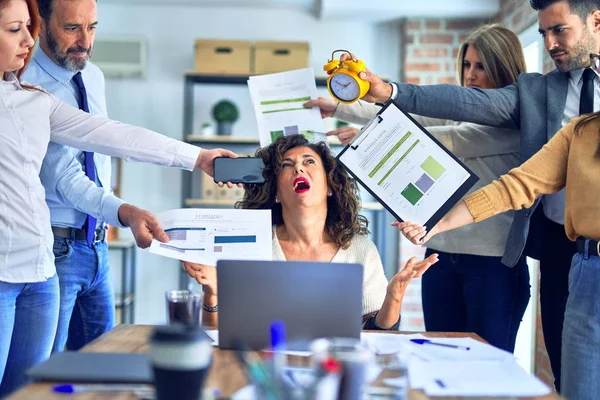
[
  {"x": 440, "y": 383},
  {"x": 427, "y": 341},
  {"x": 69, "y": 388}
]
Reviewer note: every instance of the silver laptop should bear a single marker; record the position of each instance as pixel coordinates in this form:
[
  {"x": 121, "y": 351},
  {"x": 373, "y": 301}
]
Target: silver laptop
[{"x": 313, "y": 299}]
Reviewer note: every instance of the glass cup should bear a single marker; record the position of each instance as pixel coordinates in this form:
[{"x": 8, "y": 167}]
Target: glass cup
[
  {"x": 356, "y": 360},
  {"x": 392, "y": 362},
  {"x": 184, "y": 307}
]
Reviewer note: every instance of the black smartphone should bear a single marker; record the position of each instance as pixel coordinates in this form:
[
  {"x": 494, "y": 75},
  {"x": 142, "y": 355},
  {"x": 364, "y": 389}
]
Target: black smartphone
[{"x": 239, "y": 170}]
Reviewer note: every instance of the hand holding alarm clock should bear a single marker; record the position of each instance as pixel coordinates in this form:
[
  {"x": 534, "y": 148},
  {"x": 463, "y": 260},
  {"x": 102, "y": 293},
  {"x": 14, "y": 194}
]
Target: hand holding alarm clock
[
  {"x": 343, "y": 82},
  {"x": 349, "y": 80}
]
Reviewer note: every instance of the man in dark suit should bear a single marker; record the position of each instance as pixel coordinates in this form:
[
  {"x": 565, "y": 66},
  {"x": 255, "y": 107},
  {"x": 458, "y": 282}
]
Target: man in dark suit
[{"x": 538, "y": 105}]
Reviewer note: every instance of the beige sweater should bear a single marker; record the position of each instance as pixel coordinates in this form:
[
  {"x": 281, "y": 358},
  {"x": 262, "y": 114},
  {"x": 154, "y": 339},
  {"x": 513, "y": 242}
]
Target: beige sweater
[
  {"x": 362, "y": 251},
  {"x": 568, "y": 159}
]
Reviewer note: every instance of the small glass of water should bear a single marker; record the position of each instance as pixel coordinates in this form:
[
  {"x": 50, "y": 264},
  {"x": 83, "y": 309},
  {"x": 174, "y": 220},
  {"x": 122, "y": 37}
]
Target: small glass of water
[
  {"x": 184, "y": 307},
  {"x": 392, "y": 381},
  {"x": 355, "y": 358}
]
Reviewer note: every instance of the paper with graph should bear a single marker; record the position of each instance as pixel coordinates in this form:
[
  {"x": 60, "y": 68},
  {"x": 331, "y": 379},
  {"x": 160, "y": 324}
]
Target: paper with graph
[
  {"x": 415, "y": 177},
  {"x": 277, "y": 100},
  {"x": 205, "y": 235}
]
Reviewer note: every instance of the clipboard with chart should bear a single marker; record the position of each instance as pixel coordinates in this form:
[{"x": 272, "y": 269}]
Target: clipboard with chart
[{"x": 405, "y": 168}]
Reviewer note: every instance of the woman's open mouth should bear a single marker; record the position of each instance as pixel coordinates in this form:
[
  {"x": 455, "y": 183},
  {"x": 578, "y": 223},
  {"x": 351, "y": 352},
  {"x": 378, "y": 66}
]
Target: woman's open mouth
[{"x": 301, "y": 185}]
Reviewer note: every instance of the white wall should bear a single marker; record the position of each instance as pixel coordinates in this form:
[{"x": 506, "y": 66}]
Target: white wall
[{"x": 155, "y": 102}]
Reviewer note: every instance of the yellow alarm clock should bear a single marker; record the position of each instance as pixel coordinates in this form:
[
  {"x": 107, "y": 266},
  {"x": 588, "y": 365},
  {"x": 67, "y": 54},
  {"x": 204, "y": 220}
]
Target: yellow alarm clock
[{"x": 343, "y": 82}]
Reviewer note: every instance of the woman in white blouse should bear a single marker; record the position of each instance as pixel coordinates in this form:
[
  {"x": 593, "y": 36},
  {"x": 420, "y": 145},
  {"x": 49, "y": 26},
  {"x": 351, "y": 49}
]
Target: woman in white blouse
[
  {"x": 29, "y": 119},
  {"x": 315, "y": 214}
]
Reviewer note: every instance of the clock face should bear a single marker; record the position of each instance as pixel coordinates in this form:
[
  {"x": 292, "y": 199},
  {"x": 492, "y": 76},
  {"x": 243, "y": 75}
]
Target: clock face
[{"x": 344, "y": 87}]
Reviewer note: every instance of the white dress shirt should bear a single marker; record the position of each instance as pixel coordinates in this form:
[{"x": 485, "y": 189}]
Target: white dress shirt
[
  {"x": 29, "y": 119},
  {"x": 554, "y": 204}
]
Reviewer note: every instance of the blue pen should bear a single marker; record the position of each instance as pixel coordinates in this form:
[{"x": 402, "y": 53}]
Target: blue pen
[
  {"x": 440, "y": 383},
  {"x": 278, "y": 345},
  {"x": 427, "y": 341},
  {"x": 277, "y": 335},
  {"x": 69, "y": 388}
]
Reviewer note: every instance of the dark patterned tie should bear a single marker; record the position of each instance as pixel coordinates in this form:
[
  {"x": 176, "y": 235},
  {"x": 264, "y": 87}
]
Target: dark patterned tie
[
  {"x": 586, "y": 101},
  {"x": 90, "y": 169}
]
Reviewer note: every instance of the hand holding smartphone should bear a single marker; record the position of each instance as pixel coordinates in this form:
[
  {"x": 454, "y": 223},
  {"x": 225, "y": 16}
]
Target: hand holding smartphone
[{"x": 239, "y": 170}]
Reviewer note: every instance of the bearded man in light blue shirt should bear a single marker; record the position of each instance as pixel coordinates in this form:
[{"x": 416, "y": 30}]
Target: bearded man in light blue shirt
[{"x": 74, "y": 197}]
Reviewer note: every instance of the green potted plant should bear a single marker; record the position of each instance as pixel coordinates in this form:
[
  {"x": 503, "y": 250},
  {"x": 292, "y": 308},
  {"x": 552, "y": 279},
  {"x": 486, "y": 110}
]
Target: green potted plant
[{"x": 225, "y": 113}]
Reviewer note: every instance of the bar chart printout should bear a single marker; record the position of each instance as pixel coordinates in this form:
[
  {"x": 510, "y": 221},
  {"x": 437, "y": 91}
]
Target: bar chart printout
[
  {"x": 404, "y": 168},
  {"x": 208, "y": 235},
  {"x": 278, "y": 99}
]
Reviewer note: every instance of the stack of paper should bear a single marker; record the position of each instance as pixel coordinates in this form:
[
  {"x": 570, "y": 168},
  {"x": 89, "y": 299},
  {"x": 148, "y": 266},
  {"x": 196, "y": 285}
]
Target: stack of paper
[
  {"x": 483, "y": 370},
  {"x": 476, "y": 378},
  {"x": 278, "y": 99}
]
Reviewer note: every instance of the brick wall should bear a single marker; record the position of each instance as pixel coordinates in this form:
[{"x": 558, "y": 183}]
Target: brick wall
[
  {"x": 518, "y": 15},
  {"x": 430, "y": 49}
]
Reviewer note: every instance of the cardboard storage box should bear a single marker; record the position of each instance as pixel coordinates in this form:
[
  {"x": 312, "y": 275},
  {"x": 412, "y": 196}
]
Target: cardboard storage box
[
  {"x": 272, "y": 57},
  {"x": 223, "y": 57}
]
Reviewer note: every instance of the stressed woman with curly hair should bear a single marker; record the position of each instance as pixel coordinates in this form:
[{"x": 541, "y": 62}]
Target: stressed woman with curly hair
[{"x": 315, "y": 213}]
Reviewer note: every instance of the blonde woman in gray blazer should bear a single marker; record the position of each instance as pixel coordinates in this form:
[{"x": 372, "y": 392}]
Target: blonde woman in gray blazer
[{"x": 470, "y": 290}]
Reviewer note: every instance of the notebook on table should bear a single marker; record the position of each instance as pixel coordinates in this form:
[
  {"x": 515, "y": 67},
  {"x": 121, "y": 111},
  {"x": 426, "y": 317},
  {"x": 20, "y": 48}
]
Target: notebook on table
[{"x": 85, "y": 367}]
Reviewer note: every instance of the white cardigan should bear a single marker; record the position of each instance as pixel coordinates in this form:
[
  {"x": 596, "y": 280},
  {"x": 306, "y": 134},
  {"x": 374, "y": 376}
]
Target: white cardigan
[{"x": 362, "y": 251}]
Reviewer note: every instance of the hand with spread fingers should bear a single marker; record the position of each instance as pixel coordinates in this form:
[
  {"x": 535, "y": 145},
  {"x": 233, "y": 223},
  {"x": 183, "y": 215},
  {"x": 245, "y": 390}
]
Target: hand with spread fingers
[
  {"x": 413, "y": 269},
  {"x": 206, "y": 275}
]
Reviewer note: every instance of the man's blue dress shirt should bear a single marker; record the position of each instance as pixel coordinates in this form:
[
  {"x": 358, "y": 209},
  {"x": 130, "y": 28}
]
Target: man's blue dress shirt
[{"x": 70, "y": 194}]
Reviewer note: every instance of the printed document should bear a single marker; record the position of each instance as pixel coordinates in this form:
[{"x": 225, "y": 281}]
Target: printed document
[
  {"x": 207, "y": 235},
  {"x": 278, "y": 99},
  {"x": 481, "y": 371},
  {"x": 415, "y": 177},
  {"x": 481, "y": 379}
]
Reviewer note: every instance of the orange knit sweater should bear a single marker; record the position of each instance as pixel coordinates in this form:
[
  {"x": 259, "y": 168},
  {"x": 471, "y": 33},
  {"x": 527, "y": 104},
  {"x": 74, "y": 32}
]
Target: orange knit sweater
[{"x": 568, "y": 159}]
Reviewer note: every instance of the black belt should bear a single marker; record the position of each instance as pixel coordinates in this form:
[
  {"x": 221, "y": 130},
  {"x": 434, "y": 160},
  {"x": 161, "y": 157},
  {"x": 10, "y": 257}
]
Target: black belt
[
  {"x": 79, "y": 234},
  {"x": 593, "y": 247}
]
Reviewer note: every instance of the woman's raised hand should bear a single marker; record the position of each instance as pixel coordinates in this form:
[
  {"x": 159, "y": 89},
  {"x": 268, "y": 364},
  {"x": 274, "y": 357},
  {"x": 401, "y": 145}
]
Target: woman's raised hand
[
  {"x": 413, "y": 269},
  {"x": 206, "y": 275}
]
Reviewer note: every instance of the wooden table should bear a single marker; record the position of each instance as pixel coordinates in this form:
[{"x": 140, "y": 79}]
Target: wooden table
[{"x": 225, "y": 374}]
